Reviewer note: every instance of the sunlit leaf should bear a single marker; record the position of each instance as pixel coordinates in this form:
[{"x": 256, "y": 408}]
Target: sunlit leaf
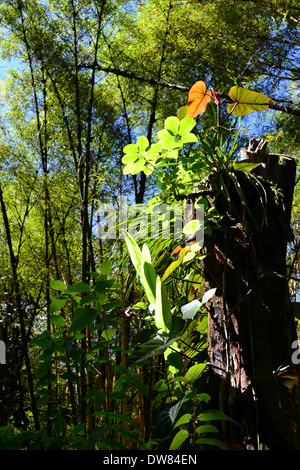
[
  {"x": 142, "y": 143},
  {"x": 175, "y": 264},
  {"x": 163, "y": 315},
  {"x": 172, "y": 124},
  {"x": 244, "y": 166},
  {"x": 58, "y": 285},
  {"x": 208, "y": 295},
  {"x": 181, "y": 113},
  {"x": 189, "y": 310},
  {"x": 135, "y": 253},
  {"x": 246, "y": 101},
  {"x": 198, "y": 99},
  {"x": 186, "y": 418},
  {"x": 105, "y": 267},
  {"x": 195, "y": 372},
  {"x": 186, "y": 125},
  {"x": 179, "y": 439}
]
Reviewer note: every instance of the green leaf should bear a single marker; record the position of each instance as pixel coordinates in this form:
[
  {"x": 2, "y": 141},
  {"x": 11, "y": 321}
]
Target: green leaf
[
  {"x": 163, "y": 315},
  {"x": 57, "y": 304},
  {"x": 205, "y": 428},
  {"x": 113, "y": 305},
  {"x": 244, "y": 166},
  {"x": 58, "y": 321},
  {"x": 186, "y": 125},
  {"x": 105, "y": 267},
  {"x": 131, "y": 149},
  {"x": 134, "y": 167},
  {"x": 108, "y": 334},
  {"x": 214, "y": 415},
  {"x": 189, "y": 310},
  {"x": 43, "y": 368},
  {"x": 70, "y": 376},
  {"x": 59, "y": 425},
  {"x": 43, "y": 340},
  {"x": 142, "y": 143},
  {"x": 195, "y": 372},
  {"x": 186, "y": 418},
  {"x": 175, "y": 263},
  {"x": 167, "y": 139},
  {"x": 46, "y": 380},
  {"x": 140, "y": 306},
  {"x": 82, "y": 319},
  {"x": 189, "y": 139},
  {"x": 58, "y": 285},
  {"x": 79, "y": 287},
  {"x": 212, "y": 442},
  {"x": 172, "y": 124},
  {"x": 179, "y": 439},
  {"x": 130, "y": 158},
  {"x": 191, "y": 227},
  {"x": 87, "y": 299},
  {"x": 111, "y": 415},
  {"x": 150, "y": 348},
  {"x": 182, "y": 112},
  {"x": 148, "y": 274},
  {"x": 135, "y": 253}
]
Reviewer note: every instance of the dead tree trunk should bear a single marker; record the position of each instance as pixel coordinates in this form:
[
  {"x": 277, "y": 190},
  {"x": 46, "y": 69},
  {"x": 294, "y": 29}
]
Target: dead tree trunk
[{"x": 251, "y": 324}]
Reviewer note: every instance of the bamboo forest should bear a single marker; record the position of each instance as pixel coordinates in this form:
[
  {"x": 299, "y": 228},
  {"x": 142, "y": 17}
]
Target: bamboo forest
[{"x": 149, "y": 226}]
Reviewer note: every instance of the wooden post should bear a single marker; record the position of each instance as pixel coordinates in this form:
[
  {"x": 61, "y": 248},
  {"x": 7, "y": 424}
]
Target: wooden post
[{"x": 251, "y": 324}]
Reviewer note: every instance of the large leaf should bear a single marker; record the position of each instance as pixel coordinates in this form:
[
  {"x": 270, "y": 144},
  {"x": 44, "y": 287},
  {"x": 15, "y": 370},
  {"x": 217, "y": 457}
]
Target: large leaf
[
  {"x": 189, "y": 310},
  {"x": 195, "y": 372},
  {"x": 212, "y": 441},
  {"x": 82, "y": 319},
  {"x": 57, "y": 304},
  {"x": 148, "y": 274},
  {"x": 79, "y": 287},
  {"x": 58, "y": 285},
  {"x": 163, "y": 315},
  {"x": 244, "y": 166},
  {"x": 179, "y": 439},
  {"x": 197, "y": 100},
  {"x": 246, "y": 101},
  {"x": 214, "y": 415},
  {"x": 135, "y": 253},
  {"x": 150, "y": 348}
]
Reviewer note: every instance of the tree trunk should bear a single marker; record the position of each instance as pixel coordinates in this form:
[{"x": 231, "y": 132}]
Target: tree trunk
[{"x": 251, "y": 324}]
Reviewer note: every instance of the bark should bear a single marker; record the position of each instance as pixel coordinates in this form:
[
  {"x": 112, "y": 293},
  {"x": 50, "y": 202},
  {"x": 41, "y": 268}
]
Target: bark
[
  {"x": 17, "y": 299},
  {"x": 251, "y": 324}
]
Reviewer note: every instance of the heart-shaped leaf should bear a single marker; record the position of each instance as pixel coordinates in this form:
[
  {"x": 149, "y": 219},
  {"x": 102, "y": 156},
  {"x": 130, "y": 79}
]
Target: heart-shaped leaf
[
  {"x": 246, "y": 101},
  {"x": 198, "y": 99}
]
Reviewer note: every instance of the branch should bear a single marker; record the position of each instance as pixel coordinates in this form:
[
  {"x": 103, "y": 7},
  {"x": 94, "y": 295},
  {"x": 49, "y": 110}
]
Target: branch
[
  {"x": 153, "y": 81},
  {"x": 133, "y": 76}
]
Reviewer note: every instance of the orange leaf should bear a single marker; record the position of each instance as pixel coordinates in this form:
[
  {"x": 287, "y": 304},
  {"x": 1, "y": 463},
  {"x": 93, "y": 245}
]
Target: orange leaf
[{"x": 198, "y": 99}]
